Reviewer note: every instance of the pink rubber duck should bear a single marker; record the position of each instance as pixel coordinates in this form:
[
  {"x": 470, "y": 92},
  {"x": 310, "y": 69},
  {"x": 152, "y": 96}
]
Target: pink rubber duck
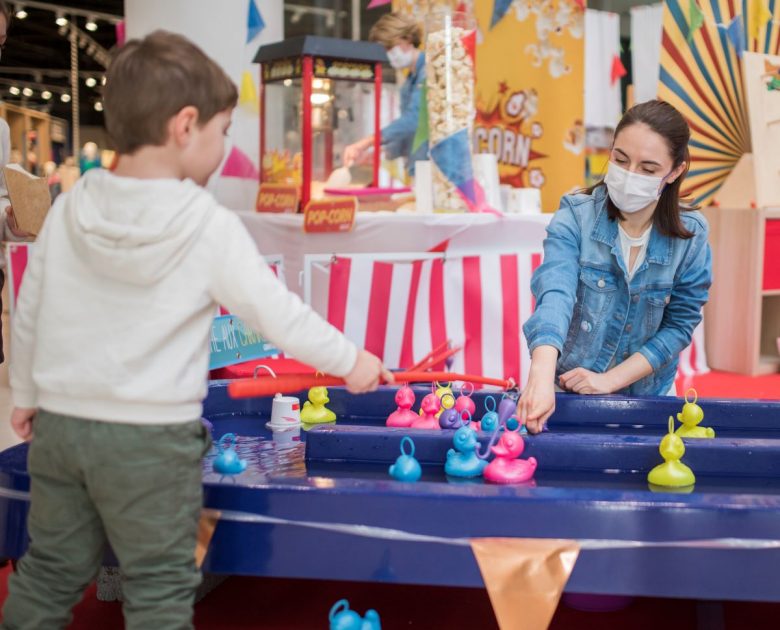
[
  {"x": 403, "y": 416},
  {"x": 464, "y": 404},
  {"x": 430, "y": 407},
  {"x": 506, "y": 467}
]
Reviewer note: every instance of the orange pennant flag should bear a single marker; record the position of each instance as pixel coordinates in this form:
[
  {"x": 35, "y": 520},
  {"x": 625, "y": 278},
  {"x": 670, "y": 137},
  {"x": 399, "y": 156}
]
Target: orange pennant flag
[
  {"x": 525, "y": 577},
  {"x": 206, "y": 526}
]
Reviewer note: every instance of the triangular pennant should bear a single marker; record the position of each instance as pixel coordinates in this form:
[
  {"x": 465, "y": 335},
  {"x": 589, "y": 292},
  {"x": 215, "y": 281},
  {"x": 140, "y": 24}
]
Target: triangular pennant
[
  {"x": 759, "y": 16},
  {"x": 500, "y": 8},
  {"x": 452, "y": 156},
  {"x": 254, "y": 23},
  {"x": 248, "y": 95},
  {"x": 736, "y": 34},
  {"x": 239, "y": 165},
  {"x": 618, "y": 70},
  {"x": 470, "y": 44},
  {"x": 121, "y": 33},
  {"x": 206, "y": 526},
  {"x": 695, "y": 18},
  {"x": 580, "y": 4},
  {"x": 378, "y": 3},
  {"x": 524, "y": 577},
  {"x": 421, "y": 136}
]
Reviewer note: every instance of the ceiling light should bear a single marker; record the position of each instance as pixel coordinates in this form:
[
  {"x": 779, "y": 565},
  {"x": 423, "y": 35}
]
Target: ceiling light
[
  {"x": 46, "y": 95},
  {"x": 14, "y": 90},
  {"x": 91, "y": 82},
  {"x": 21, "y": 13},
  {"x": 287, "y": 82},
  {"x": 65, "y": 98},
  {"x": 61, "y": 19},
  {"x": 103, "y": 80},
  {"x": 296, "y": 17},
  {"x": 27, "y": 92},
  {"x": 91, "y": 25},
  {"x": 99, "y": 106}
]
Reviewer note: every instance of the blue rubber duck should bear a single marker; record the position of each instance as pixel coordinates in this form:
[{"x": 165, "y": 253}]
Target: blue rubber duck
[
  {"x": 342, "y": 618},
  {"x": 462, "y": 461},
  {"x": 406, "y": 467},
  {"x": 227, "y": 461}
]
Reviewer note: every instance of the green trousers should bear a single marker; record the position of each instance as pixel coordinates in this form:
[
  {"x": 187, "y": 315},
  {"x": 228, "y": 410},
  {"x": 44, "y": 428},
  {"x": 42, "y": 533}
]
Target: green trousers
[{"x": 136, "y": 487}]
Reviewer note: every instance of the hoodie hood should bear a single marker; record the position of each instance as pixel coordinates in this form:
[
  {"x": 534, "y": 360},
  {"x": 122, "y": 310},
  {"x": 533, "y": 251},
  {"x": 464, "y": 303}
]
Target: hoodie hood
[{"x": 134, "y": 230}]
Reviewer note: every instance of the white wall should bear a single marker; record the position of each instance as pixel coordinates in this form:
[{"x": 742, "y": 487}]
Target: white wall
[{"x": 219, "y": 28}]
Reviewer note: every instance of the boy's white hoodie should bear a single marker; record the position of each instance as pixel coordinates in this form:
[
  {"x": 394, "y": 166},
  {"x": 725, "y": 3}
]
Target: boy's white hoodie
[{"x": 114, "y": 314}]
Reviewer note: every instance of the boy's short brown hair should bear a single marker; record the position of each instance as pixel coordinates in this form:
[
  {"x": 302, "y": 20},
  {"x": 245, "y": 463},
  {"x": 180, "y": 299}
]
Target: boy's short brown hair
[{"x": 150, "y": 80}]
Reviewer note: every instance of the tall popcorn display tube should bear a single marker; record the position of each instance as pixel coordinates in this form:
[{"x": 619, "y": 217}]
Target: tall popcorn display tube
[{"x": 450, "y": 70}]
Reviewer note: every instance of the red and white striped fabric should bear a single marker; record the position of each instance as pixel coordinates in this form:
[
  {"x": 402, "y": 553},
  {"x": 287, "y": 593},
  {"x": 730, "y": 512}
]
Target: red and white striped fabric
[{"x": 400, "y": 311}]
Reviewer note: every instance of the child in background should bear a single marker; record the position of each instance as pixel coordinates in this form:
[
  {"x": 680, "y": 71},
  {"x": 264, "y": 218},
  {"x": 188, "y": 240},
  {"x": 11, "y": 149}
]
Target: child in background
[
  {"x": 110, "y": 345},
  {"x": 627, "y": 270}
]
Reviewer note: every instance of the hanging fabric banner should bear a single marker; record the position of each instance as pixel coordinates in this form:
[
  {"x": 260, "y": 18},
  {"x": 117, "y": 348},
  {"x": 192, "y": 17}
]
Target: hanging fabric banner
[{"x": 530, "y": 113}]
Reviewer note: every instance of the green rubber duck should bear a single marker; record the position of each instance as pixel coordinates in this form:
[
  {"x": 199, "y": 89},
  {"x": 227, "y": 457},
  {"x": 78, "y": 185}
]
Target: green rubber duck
[
  {"x": 690, "y": 417},
  {"x": 672, "y": 473}
]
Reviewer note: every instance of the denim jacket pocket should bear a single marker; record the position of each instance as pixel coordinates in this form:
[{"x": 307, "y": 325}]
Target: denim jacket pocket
[
  {"x": 658, "y": 298},
  {"x": 596, "y": 292}
]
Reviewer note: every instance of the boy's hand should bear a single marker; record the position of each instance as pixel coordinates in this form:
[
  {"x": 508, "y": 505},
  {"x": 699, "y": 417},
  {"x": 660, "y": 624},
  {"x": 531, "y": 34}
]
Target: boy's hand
[
  {"x": 367, "y": 374},
  {"x": 12, "y": 225},
  {"x": 22, "y": 421}
]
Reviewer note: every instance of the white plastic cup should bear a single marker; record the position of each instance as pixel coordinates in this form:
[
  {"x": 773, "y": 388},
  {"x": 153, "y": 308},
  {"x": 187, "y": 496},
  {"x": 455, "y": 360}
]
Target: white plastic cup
[
  {"x": 285, "y": 413},
  {"x": 423, "y": 186},
  {"x": 486, "y": 173},
  {"x": 525, "y": 201}
]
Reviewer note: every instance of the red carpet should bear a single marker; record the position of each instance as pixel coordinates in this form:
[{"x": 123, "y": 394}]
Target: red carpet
[{"x": 244, "y": 603}]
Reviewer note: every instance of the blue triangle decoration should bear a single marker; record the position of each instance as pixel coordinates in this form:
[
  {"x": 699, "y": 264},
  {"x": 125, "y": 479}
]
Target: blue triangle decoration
[
  {"x": 255, "y": 23},
  {"x": 453, "y": 159},
  {"x": 736, "y": 34},
  {"x": 500, "y": 8}
]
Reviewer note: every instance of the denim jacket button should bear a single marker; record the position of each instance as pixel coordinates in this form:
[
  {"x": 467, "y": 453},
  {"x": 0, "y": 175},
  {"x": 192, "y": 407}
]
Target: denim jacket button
[
  {"x": 625, "y": 355},
  {"x": 635, "y": 298},
  {"x": 667, "y": 299},
  {"x": 618, "y": 316},
  {"x": 585, "y": 326},
  {"x": 601, "y": 283},
  {"x": 628, "y": 328}
]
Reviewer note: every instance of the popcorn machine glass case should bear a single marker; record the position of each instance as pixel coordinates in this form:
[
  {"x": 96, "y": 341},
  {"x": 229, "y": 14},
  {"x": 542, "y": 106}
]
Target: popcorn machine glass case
[{"x": 318, "y": 95}]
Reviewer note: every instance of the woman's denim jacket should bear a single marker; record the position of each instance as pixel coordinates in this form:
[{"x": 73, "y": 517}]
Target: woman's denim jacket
[{"x": 588, "y": 310}]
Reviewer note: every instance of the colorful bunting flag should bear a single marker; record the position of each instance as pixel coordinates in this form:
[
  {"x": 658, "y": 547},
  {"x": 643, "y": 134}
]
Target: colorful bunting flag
[
  {"x": 695, "y": 18},
  {"x": 759, "y": 16},
  {"x": 500, "y": 8},
  {"x": 422, "y": 134},
  {"x": 240, "y": 166},
  {"x": 736, "y": 35},
  {"x": 121, "y": 33},
  {"x": 248, "y": 94},
  {"x": 254, "y": 23},
  {"x": 618, "y": 70},
  {"x": 378, "y": 3},
  {"x": 452, "y": 156}
]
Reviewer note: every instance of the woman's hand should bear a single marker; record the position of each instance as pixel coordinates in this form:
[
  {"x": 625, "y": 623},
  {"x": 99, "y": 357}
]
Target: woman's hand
[
  {"x": 354, "y": 152},
  {"x": 537, "y": 402},
  {"x": 582, "y": 381}
]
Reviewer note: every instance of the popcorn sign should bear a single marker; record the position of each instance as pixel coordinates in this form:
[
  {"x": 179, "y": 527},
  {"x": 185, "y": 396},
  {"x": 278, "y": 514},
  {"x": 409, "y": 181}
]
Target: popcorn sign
[{"x": 329, "y": 215}]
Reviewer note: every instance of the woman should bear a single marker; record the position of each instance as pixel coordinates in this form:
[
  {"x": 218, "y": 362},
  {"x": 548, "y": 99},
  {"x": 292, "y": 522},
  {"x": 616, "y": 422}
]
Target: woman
[
  {"x": 401, "y": 35},
  {"x": 626, "y": 271}
]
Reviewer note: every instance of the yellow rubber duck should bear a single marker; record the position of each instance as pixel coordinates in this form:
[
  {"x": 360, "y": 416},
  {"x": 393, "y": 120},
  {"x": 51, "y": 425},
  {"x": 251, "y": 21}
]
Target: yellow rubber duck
[
  {"x": 314, "y": 410},
  {"x": 672, "y": 473},
  {"x": 444, "y": 392},
  {"x": 690, "y": 417}
]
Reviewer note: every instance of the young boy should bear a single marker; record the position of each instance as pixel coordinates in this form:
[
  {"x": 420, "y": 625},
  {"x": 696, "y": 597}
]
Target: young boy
[{"x": 110, "y": 345}]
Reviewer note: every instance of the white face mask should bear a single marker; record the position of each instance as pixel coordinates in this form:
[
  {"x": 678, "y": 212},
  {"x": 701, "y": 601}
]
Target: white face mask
[
  {"x": 632, "y": 192},
  {"x": 400, "y": 58}
]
